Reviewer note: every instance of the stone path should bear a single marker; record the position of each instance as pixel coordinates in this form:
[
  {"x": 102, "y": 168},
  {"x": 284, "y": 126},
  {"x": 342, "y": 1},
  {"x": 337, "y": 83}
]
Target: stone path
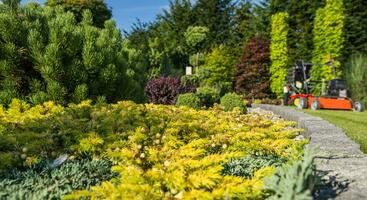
[{"x": 340, "y": 157}]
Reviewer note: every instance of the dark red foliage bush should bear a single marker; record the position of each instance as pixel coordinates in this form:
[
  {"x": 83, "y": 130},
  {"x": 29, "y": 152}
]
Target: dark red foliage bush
[
  {"x": 252, "y": 78},
  {"x": 165, "y": 90}
]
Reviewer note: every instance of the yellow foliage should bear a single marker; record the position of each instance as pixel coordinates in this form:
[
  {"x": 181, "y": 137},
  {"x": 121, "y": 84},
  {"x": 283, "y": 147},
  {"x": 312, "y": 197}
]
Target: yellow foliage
[{"x": 178, "y": 153}]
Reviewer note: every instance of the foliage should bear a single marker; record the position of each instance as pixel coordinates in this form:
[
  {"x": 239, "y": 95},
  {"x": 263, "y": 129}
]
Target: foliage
[
  {"x": 279, "y": 52},
  {"x": 161, "y": 150},
  {"x": 230, "y": 101},
  {"x": 163, "y": 90},
  {"x": 99, "y": 9},
  {"x": 356, "y": 74},
  {"x": 41, "y": 182},
  {"x": 176, "y": 154},
  {"x": 328, "y": 41},
  {"x": 188, "y": 99},
  {"x": 47, "y": 55},
  {"x": 301, "y": 23},
  {"x": 208, "y": 95},
  {"x": 252, "y": 78},
  {"x": 220, "y": 67},
  {"x": 217, "y": 16},
  {"x": 355, "y": 27},
  {"x": 247, "y": 166},
  {"x": 294, "y": 181},
  {"x": 195, "y": 35}
]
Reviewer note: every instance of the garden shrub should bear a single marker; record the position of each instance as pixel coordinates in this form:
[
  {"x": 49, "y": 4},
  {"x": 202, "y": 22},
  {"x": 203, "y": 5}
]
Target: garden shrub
[
  {"x": 189, "y": 100},
  {"x": 252, "y": 78},
  {"x": 231, "y": 101},
  {"x": 41, "y": 182},
  {"x": 158, "y": 151},
  {"x": 163, "y": 90},
  {"x": 219, "y": 68},
  {"x": 279, "y": 52},
  {"x": 208, "y": 95}
]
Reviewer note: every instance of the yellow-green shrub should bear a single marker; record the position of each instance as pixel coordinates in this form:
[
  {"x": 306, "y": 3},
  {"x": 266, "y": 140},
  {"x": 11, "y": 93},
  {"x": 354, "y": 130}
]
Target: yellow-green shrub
[{"x": 160, "y": 152}]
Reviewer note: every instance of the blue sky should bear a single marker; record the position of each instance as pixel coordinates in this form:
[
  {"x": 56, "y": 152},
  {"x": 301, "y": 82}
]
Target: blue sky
[{"x": 126, "y": 12}]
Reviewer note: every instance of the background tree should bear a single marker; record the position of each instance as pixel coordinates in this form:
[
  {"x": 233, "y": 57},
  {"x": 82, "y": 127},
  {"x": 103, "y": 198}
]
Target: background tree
[
  {"x": 252, "y": 78},
  {"x": 328, "y": 41},
  {"x": 355, "y": 26},
  {"x": 13, "y": 4},
  {"x": 99, "y": 9},
  {"x": 251, "y": 20},
  {"x": 279, "y": 52},
  {"x": 217, "y": 16}
]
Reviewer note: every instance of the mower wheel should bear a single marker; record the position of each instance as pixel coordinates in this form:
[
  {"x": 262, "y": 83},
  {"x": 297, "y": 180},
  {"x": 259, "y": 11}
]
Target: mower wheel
[
  {"x": 302, "y": 103},
  {"x": 315, "y": 105},
  {"x": 358, "y": 107}
]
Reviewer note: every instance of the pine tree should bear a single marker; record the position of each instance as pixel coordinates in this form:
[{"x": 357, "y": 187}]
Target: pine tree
[{"x": 45, "y": 54}]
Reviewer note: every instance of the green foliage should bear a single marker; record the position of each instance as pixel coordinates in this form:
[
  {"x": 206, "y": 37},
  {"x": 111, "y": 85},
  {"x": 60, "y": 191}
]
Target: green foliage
[
  {"x": 45, "y": 54},
  {"x": 208, "y": 95},
  {"x": 328, "y": 41},
  {"x": 189, "y": 100},
  {"x": 99, "y": 9},
  {"x": 247, "y": 166},
  {"x": 294, "y": 181},
  {"x": 41, "y": 182},
  {"x": 355, "y": 27},
  {"x": 230, "y": 101},
  {"x": 195, "y": 36},
  {"x": 217, "y": 16},
  {"x": 279, "y": 52},
  {"x": 220, "y": 66},
  {"x": 356, "y": 74}
]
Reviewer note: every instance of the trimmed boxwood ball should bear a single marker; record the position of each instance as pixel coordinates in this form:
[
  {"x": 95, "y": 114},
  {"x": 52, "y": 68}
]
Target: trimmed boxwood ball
[
  {"x": 231, "y": 101},
  {"x": 189, "y": 100},
  {"x": 208, "y": 95}
]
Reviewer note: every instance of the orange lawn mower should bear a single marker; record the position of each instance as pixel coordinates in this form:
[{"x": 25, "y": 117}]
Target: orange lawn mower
[{"x": 336, "y": 96}]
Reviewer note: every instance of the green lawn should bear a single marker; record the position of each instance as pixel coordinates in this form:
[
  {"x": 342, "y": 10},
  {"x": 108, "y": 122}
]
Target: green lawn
[{"x": 354, "y": 123}]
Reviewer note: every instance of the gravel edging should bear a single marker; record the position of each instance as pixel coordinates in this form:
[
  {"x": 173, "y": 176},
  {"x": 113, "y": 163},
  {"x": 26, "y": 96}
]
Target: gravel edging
[{"x": 340, "y": 157}]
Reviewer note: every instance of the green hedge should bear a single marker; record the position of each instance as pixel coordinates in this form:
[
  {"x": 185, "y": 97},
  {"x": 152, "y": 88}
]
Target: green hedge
[
  {"x": 279, "y": 52},
  {"x": 328, "y": 40}
]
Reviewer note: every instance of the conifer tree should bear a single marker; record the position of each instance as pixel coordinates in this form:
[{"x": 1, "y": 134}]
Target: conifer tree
[
  {"x": 217, "y": 16},
  {"x": 46, "y": 54},
  {"x": 355, "y": 26}
]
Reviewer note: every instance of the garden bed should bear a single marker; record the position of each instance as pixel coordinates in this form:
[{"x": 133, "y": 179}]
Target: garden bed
[{"x": 158, "y": 152}]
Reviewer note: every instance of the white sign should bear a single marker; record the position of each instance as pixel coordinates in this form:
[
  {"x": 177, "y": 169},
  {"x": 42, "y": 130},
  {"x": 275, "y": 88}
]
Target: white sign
[{"x": 188, "y": 70}]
